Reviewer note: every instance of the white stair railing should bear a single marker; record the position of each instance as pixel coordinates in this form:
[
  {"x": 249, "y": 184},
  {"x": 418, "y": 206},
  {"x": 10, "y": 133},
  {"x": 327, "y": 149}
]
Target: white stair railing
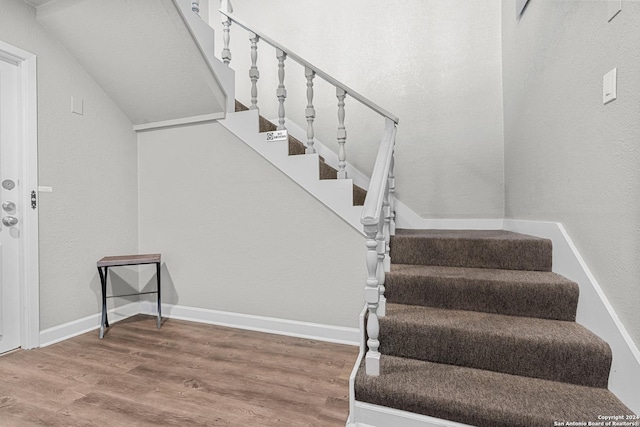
[
  {"x": 377, "y": 219},
  {"x": 378, "y": 213}
]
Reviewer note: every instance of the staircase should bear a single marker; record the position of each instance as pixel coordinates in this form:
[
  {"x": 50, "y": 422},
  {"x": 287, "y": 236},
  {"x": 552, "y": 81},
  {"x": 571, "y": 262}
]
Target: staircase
[
  {"x": 479, "y": 331},
  {"x": 465, "y": 327}
]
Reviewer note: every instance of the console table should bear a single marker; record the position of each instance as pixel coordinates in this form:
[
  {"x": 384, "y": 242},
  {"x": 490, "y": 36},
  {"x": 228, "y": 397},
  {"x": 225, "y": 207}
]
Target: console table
[{"x": 119, "y": 261}]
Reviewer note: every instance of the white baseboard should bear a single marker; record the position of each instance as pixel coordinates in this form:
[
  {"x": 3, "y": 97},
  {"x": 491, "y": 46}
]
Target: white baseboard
[
  {"x": 292, "y": 328},
  {"x": 368, "y": 415},
  {"x": 356, "y": 366},
  {"x": 86, "y": 324},
  {"x": 594, "y": 310},
  {"x": 407, "y": 218}
]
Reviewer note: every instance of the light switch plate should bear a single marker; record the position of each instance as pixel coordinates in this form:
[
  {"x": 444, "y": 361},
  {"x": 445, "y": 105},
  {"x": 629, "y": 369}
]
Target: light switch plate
[
  {"x": 609, "y": 86},
  {"x": 613, "y": 8},
  {"x": 76, "y": 105}
]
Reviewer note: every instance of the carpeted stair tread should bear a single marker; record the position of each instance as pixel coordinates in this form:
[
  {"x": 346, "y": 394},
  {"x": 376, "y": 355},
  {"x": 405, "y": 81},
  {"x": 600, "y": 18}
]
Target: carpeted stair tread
[
  {"x": 540, "y": 348},
  {"x": 496, "y": 249},
  {"x": 296, "y": 147},
  {"x": 513, "y": 292},
  {"x": 327, "y": 172},
  {"x": 265, "y": 125},
  {"x": 481, "y": 398},
  {"x": 359, "y": 194},
  {"x": 240, "y": 106}
]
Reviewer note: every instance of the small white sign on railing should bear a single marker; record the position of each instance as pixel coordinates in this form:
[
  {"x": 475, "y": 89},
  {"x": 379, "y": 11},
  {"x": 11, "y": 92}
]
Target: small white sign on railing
[{"x": 277, "y": 135}]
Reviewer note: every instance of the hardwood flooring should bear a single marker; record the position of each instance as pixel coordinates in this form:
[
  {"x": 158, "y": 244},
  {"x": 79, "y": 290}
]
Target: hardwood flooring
[{"x": 185, "y": 374}]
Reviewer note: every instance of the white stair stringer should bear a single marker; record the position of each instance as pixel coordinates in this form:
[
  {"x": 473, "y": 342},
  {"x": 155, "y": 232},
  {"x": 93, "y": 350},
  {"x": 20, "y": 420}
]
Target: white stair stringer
[{"x": 336, "y": 194}]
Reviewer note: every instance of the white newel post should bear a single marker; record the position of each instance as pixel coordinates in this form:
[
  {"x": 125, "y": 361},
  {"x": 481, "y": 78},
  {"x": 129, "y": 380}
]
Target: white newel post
[
  {"x": 254, "y": 74},
  {"x": 281, "y": 92},
  {"x": 310, "y": 112},
  {"x": 225, "y": 5},
  {"x": 372, "y": 298},
  {"x": 392, "y": 200},
  {"x": 195, "y": 6},
  {"x": 342, "y": 134}
]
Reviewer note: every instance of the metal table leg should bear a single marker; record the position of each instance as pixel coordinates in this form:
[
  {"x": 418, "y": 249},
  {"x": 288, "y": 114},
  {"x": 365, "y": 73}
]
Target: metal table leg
[
  {"x": 104, "y": 322},
  {"x": 159, "y": 301}
]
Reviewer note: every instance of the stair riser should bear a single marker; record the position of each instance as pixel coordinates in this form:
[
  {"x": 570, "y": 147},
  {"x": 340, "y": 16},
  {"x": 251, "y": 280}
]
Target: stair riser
[
  {"x": 545, "y": 301},
  {"x": 555, "y": 361},
  {"x": 480, "y": 398},
  {"x": 532, "y": 255}
]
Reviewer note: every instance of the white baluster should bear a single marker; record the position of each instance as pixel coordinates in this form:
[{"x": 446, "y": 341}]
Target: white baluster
[
  {"x": 310, "y": 112},
  {"x": 386, "y": 209},
  {"x": 342, "y": 134},
  {"x": 281, "y": 92},
  {"x": 254, "y": 74},
  {"x": 380, "y": 277},
  {"x": 225, "y": 5},
  {"x": 392, "y": 199},
  {"x": 195, "y": 6},
  {"x": 372, "y": 298}
]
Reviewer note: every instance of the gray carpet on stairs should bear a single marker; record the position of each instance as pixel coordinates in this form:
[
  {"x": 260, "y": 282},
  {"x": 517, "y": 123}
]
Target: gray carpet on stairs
[
  {"x": 482, "y": 398},
  {"x": 471, "y": 248},
  {"x": 518, "y": 293},
  {"x": 480, "y": 331},
  {"x": 538, "y": 348}
]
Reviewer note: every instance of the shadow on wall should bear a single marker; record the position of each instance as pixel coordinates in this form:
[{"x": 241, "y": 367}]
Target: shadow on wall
[
  {"x": 127, "y": 280},
  {"x": 120, "y": 281},
  {"x": 168, "y": 291}
]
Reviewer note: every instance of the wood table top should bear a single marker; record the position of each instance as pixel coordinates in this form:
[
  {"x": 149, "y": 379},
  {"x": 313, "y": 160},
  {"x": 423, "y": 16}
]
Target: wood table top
[{"x": 112, "y": 261}]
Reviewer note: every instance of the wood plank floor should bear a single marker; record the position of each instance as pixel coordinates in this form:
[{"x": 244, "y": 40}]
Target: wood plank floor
[{"x": 185, "y": 374}]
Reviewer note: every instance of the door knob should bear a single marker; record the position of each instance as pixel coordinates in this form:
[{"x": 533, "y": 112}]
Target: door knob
[
  {"x": 9, "y": 221},
  {"x": 9, "y": 206}
]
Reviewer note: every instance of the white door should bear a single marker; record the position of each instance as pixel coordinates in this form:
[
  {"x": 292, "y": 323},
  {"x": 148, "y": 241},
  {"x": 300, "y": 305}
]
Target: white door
[{"x": 10, "y": 209}]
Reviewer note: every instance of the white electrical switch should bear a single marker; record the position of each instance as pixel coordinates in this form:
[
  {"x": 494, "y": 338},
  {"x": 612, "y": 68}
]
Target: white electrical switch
[
  {"x": 613, "y": 8},
  {"x": 76, "y": 105},
  {"x": 609, "y": 89},
  {"x": 43, "y": 189}
]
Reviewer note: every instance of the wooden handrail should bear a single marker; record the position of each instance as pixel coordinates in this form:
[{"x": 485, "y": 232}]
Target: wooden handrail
[
  {"x": 290, "y": 54},
  {"x": 372, "y": 209}
]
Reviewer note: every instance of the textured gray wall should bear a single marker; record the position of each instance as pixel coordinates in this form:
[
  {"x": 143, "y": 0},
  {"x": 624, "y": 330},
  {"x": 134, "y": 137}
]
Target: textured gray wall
[
  {"x": 89, "y": 160},
  {"x": 436, "y": 64},
  {"x": 568, "y": 157},
  {"x": 238, "y": 235}
]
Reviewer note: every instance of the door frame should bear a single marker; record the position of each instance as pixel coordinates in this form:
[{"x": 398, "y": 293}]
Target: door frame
[{"x": 28, "y": 134}]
